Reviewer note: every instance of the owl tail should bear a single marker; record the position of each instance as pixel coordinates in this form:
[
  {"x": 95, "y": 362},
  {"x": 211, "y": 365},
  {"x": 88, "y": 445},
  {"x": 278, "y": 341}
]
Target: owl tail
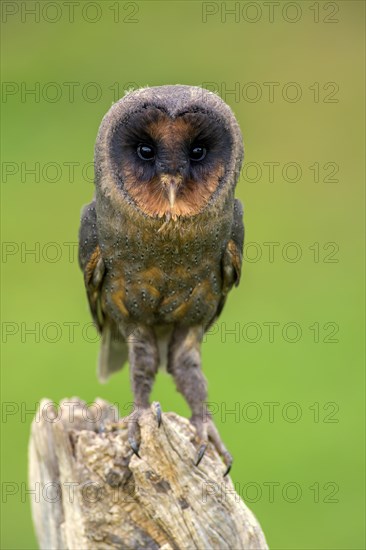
[{"x": 113, "y": 352}]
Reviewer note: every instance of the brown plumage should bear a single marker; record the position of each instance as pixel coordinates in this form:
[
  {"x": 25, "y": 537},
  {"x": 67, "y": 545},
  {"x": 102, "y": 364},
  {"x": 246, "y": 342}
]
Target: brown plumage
[{"x": 161, "y": 244}]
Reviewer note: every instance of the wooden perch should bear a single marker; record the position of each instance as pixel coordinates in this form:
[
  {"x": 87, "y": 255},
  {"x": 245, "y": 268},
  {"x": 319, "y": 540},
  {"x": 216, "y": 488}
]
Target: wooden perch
[{"x": 95, "y": 494}]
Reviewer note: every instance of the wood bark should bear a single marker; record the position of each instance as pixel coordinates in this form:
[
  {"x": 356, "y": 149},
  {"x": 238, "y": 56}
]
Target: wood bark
[{"x": 96, "y": 494}]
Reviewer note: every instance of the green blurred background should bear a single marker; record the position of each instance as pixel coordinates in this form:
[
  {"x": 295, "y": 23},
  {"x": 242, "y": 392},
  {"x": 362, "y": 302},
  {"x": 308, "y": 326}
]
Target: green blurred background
[{"x": 310, "y": 450}]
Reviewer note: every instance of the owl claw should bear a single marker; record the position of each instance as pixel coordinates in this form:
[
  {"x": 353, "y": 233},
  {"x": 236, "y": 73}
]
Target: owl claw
[
  {"x": 228, "y": 459},
  {"x": 207, "y": 431},
  {"x": 158, "y": 414},
  {"x": 133, "y": 429},
  {"x": 134, "y": 446},
  {"x": 201, "y": 452},
  {"x": 227, "y": 471}
]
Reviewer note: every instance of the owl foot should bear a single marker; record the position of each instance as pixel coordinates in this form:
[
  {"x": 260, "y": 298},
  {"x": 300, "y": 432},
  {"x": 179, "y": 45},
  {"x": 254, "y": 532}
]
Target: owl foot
[
  {"x": 134, "y": 434},
  {"x": 207, "y": 431}
]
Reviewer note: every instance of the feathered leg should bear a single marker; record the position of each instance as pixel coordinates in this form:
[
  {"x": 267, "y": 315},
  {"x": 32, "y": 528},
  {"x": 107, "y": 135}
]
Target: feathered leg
[
  {"x": 144, "y": 362},
  {"x": 184, "y": 363}
]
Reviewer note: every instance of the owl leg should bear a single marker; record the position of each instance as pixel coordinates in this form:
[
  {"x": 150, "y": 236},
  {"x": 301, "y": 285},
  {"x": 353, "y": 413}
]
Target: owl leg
[
  {"x": 144, "y": 361},
  {"x": 184, "y": 363}
]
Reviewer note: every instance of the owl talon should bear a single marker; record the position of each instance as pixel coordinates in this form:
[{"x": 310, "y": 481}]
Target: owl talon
[
  {"x": 133, "y": 429},
  {"x": 228, "y": 460},
  {"x": 227, "y": 471},
  {"x": 158, "y": 414},
  {"x": 207, "y": 431},
  {"x": 134, "y": 446},
  {"x": 201, "y": 453}
]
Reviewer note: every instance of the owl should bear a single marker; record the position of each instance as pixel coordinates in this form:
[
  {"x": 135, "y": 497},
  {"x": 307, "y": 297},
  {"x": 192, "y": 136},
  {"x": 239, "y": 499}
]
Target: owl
[{"x": 161, "y": 243}]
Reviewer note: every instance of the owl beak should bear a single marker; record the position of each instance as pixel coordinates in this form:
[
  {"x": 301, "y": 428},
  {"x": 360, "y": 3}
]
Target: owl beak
[
  {"x": 171, "y": 185},
  {"x": 172, "y": 193}
]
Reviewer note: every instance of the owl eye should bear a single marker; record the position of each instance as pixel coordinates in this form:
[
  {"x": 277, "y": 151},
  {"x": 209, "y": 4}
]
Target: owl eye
[
  {"x": 197, "y": 153},
  {"x": 145, "y": 152}
]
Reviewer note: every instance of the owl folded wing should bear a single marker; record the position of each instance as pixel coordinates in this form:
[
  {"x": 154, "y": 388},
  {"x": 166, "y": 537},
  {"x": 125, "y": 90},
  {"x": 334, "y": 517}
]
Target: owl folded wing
[
  {"x": 233, "y": 256},
  {"x": 113, "y": 350}
]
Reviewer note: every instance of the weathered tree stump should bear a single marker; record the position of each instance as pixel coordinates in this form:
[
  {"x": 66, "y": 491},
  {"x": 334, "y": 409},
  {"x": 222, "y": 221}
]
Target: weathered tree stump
[{"x": 95, "y": 494}]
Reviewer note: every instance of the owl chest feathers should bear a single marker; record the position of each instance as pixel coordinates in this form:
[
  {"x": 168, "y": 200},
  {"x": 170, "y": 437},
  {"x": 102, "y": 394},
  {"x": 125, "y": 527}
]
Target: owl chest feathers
[
  {"x": 153, "y": 295},
  {"x": 163, "y": 279}
]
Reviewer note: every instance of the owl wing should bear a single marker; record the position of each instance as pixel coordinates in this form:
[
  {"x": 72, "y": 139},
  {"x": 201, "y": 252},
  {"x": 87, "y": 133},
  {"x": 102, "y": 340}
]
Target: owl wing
[
  {"x": 233, "y": 257},
  {"x": 113, "y": 350}
]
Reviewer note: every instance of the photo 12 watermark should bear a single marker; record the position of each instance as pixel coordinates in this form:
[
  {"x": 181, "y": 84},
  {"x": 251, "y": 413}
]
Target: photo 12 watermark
[
  {"x": 268, "y": 171},
  {"x": 234, "y": 92},
  {"x": 291, "y": 492},
  {"x": 28, "y": 12},
  {"x": 249, "y": 412},
  {"x": 236, "y": 332},
  {"x": 271, "y": 252},
  {"x": 270, "y": 12}
]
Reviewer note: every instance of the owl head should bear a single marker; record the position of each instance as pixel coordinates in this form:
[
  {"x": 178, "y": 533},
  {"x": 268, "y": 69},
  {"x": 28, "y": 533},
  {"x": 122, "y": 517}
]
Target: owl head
[{"x": 171, "y": 151}]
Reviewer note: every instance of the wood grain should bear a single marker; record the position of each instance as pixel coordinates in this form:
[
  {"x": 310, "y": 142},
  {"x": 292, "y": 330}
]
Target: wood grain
[{"x": 96, "y": 494}]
